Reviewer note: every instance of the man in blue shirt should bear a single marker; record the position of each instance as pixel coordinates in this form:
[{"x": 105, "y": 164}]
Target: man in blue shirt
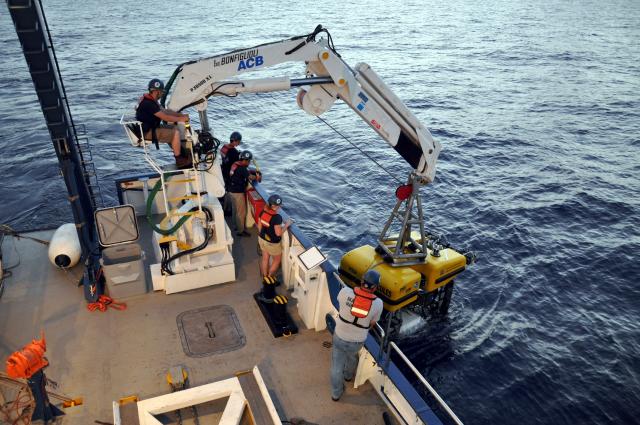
[{"x": 238, "y": 180}]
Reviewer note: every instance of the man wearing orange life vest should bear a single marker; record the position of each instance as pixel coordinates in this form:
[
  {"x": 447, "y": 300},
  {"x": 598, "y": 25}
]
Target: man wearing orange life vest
[
  {"x": 359, "y": 310},
  {"x": 150, "y": 114},
  {"x": 270, "y": 229}
]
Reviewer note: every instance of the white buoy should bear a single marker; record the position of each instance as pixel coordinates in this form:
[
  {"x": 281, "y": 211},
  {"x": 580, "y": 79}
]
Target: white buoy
[{"x": 64, "y": 248}]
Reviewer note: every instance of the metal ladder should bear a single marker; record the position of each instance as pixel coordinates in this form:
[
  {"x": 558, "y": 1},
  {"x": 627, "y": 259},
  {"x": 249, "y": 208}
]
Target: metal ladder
[{"x": 88, "y": 166}]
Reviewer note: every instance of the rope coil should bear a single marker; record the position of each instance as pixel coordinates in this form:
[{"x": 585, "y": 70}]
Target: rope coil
[{"x": 104, "y": 302}]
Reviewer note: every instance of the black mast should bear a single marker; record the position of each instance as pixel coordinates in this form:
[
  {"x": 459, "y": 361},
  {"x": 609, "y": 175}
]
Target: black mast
[{"x": 74, "y": 157}]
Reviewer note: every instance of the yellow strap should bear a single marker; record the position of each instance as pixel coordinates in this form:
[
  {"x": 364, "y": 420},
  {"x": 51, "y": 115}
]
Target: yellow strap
[
  {"x": 181, "y": 198},
  {"x": 180, "y": 214},
  {"x": 130, "y": 399},
  {"x": 183, "y": 246},
  {"x": 179, "y": 181}
]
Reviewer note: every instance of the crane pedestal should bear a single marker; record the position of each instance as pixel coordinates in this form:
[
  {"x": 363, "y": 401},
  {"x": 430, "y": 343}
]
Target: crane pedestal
[{"x": 43, "y": 409}]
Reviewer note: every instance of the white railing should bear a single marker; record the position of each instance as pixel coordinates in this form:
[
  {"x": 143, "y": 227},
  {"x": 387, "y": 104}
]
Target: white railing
[
  {"x": 424, "y": 382},
  {"x": 125, "y": 122}
]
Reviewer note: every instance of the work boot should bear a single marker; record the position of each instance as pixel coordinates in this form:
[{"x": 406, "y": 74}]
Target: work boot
[{"x": 183, "y": 162}]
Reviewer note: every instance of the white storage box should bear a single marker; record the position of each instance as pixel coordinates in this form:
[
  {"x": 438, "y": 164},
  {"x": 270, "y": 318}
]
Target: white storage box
[
  {"x": 124, "y": 270},
  {"x": 122, "y": 258}
]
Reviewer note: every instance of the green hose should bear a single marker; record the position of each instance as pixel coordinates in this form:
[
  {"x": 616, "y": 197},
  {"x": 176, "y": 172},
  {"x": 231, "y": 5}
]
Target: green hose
[{"x": 157, "y": 229}]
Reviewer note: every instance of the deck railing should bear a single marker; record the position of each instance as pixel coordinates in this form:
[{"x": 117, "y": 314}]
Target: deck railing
[{"x": 426, "y": 384}]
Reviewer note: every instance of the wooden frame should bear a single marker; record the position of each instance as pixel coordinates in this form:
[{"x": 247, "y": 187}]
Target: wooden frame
[
  {"x": 192, "y": 396},
  {"x": 233, "y": 411}
]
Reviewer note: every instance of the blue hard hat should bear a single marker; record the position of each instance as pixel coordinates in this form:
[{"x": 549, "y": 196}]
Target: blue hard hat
[
  {"x": 156, "y": 84},
  {"x": 371, "y": 279},
  {"x": 275, "y": 200},
  {"x": 236, "y": 136}
]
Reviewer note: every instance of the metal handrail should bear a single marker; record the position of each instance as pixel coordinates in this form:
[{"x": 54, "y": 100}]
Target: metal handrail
[
  {"x": 426, "y": 384},
  {"x": 125, "y": 120}
]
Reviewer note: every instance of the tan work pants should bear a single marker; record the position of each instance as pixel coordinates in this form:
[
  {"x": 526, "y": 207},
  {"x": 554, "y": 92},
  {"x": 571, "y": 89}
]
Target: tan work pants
[{"x": 239, "y": 210}]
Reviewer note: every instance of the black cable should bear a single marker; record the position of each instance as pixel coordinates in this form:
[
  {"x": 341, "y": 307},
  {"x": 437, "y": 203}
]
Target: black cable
[
  {"x": 363, "y": 152},
  {"x": 164, "y": 266},
  {"x": 330, "y": 42},
  {"x": 209, "y": 235},
  {"x": 215, "y": 91},
  {"x": 209, "y": 155},
  {"x": 208, "y": 160}
]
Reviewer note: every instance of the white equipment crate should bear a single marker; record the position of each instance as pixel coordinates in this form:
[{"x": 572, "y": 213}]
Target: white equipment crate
[{"x": 122, "y": 257}]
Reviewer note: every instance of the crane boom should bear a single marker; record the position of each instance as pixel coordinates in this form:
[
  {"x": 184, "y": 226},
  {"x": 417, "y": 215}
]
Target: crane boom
[{"x": 327, "y": 78}]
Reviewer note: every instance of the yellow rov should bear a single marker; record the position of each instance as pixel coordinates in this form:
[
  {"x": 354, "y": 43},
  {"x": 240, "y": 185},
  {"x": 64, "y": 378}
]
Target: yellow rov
[{"x": 417, "y": 269}]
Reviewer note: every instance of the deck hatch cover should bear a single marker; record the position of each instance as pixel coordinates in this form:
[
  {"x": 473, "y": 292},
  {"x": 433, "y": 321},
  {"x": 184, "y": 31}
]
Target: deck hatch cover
[{"x": 210, "y": 330}]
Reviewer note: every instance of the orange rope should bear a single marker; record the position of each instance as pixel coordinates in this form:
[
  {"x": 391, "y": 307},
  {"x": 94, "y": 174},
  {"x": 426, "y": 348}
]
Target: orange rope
[
  {"x": 21, "y": 408},
  {"x": 105, "y": 302}
]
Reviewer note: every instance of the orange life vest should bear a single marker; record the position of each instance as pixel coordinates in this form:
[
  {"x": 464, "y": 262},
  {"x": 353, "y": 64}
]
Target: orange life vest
[
  {"x": 362, "y": 302},
  {"x": 224, "y": 150},
  {"x": 361, "y": 307},
  {"x": 265, "y": 216},
  {"x": 234, "y": 166},
  {"x": 148, "y": 97},
  {"x": 24, "y": 363}
]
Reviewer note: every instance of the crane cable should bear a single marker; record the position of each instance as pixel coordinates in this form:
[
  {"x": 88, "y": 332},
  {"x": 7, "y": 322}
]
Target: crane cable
[{"x": 361, "y": 151}]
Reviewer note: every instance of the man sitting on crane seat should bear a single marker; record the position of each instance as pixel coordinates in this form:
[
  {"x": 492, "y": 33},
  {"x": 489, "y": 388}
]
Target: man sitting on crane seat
[{"x": 151, "y": 114}]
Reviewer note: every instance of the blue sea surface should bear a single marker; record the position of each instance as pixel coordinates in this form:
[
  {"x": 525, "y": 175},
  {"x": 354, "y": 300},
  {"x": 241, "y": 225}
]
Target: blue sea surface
[{"x": 536, "y": 105}]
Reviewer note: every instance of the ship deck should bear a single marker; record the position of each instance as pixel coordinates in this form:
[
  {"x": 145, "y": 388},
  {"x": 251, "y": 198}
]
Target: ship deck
[{"x": 105, "y": 356}]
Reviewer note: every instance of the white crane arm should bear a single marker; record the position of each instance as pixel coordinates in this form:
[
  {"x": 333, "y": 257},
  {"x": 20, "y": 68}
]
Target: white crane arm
[{"x": 327, "y": 79}]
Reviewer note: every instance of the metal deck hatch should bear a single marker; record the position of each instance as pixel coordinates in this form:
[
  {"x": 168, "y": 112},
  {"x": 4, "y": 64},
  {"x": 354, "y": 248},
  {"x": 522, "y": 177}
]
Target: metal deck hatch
[{"x": 210, "y": 330}]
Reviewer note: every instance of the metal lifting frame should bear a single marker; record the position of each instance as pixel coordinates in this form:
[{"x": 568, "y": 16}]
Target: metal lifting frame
[{"x": 402, "y": 248}]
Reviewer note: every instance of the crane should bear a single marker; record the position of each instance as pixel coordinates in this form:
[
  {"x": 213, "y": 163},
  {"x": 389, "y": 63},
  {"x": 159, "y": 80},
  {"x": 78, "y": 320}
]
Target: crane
[{"x": 327, "y": 78}]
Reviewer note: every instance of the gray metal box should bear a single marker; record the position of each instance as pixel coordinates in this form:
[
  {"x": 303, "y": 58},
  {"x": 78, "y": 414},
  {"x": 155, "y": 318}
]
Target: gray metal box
[{"x": 124, "y": 270}]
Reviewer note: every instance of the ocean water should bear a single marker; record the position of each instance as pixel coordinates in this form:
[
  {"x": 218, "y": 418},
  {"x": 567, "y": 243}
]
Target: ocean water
[{"x": 537, "y": 106}]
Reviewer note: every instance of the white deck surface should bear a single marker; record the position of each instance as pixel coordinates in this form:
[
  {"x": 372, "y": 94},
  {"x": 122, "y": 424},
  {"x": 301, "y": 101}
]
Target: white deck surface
[{"x": 105, "y": 356}]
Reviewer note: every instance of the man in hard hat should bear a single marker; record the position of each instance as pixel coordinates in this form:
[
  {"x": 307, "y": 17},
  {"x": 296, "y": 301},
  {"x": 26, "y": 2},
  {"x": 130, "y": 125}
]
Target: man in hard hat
[
  {"x": 150, "y": 114},
  {"x": 239, "y": 177},
  {"x": 270, "y": 230},
  {"x": 359, "y": 310},
  {"x": 229, "y": 154}
]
